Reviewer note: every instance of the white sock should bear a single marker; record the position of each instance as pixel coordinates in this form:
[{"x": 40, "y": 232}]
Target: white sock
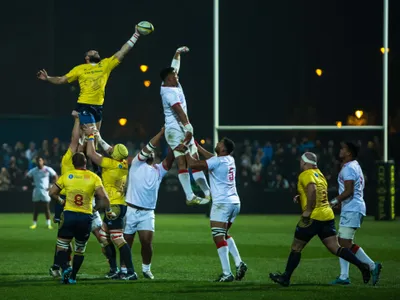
[
  {"x": 223, "y": 253},
  {"x": 48, "y": 222},
  {"x": 233, "y": 250},
  {"x": 363, "y": 257},
  {"x": 34, "y": 222},
  {"x": 124, "y": 270},
  {"x": 184, "y": 179},
  {"x": 201, "y": 180},
  {"x": 146, "y": 268},
  {"x": 344, "y": 269}
]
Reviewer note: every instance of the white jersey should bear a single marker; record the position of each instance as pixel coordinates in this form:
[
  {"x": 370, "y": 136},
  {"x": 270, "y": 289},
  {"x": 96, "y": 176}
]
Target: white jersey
[
  {"x": 171, "y": 96},
  {"x": 352, "y": 171},
  {"x": 143, "y": 183},
  {"x": 41, "y": 177},
  {"x": 222, "y": 171}
]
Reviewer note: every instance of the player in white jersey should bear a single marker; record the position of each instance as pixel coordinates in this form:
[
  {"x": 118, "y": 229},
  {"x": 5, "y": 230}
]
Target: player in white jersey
[
  {"x": 179, "y": 130},
  {"x": 351, "y": 199},
  {"x": 41, "y": 179},
  {"x": 225, "y": 205},
  {"x": 141, "y": 198}
]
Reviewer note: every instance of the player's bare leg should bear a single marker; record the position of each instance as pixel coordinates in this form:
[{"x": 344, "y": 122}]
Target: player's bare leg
[
  {"x": 241, "y": 267},
  {"x": 47, "y": 214},
  {"x": 332, "y": 244},
  {"x": 146, "y": 241},
  {"x": 219, "y": 230},
  {"x": 36, "y": 206}
]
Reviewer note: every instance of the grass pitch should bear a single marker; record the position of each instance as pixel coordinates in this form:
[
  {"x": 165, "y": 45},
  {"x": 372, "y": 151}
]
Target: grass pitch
[{"x": 185, "y": 262}]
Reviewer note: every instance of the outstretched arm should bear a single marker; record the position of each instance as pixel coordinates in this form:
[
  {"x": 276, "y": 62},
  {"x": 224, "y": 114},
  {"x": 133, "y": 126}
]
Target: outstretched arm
[
  {"x": 177, "y": 108},
  {"x": 176, "y": 61},
  {"x": 75, "y": 132},
  {"x": 169, "y": 160},
  {"x": 127, "y": 46},
  {"x": 91, "y": 151},
  {"x": 42, "y": 75},
  {"x": 196, "y": 164},
  {"x": 203, "y": 151},
  {"x": 151, "y": 146}
]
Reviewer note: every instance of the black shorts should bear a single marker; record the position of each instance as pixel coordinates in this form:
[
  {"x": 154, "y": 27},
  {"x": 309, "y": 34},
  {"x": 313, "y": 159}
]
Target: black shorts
[
  {"x": 89, "y": 114},
  {"x": 75, "y": 225},
  {"x": 118, "y": 221},
  {"x": 305, "y": 231},
  {"x": 58, "y": 209}
]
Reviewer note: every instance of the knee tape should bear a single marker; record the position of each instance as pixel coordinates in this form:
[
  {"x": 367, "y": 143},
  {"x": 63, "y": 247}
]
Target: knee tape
[
  {"x": 103, "y": 238},
  {"x": 117, "y": 237},
  {"x": 177, "y": 153},
  {"x": 217, "y": 231},
  {"x": 193, "y": 149},
  {"x": 80, "y": 247},
  {"x": 63, "y": 244},
  {"x": 347, "y": 233}
]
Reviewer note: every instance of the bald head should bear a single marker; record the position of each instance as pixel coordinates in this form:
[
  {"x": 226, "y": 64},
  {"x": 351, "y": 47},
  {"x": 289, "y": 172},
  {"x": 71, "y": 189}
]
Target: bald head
[{"x": 308, "y": 160}]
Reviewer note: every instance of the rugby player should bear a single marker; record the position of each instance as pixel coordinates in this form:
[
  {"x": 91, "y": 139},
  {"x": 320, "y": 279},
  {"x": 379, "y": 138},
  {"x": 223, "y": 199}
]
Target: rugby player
[
  {"x": 92, "y": 76},
  {"x": 225, "y": 205},
  {"x": 143, "y": 183},
  {"x": 351, "y": 199},
  {"x": 41, "y": 179},
  {"x": 114, "y": 175},
  {"x": 317, "y": 219},
  {"x": 178, "y": 129},
  {"x": 80, "y": 187}
]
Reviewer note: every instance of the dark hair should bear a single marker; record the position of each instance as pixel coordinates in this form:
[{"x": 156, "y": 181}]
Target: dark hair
[
  {"x": 229, "y": 145},
  {"x": 353, "y": 149},
  {"x": 79, "y": 160},
  {"x": 164, "y": 73},
  {"x": 39, "y": 157}
]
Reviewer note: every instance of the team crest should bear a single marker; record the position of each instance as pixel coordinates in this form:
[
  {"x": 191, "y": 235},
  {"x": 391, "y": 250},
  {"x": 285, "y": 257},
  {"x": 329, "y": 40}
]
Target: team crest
[
  {"x": 70, "y": 176},
  {"x": 316, "y": 174}
]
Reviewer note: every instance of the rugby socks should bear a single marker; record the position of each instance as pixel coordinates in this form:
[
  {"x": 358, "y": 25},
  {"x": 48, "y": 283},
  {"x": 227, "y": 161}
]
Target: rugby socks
[
  {"x": 233, "y": 250},
  {"x": 146, "y": 268},
  {"x": 223, "y": 252},
  {"x": 76, "y": 264},
  {"x": 184, "y": 179},
  {"x": 292, "y": 263},
  {"x": 126, "y": 255},
  {"x": 346, "y": 254},
  {"x": 111, "y": 255},
  {"x": 362, "y": 256},
  {"x": 201, "y": 181},
  {"x": 62, "y": 259},
  {"x": 48, "y": 222},
  {"x": 344, "y": 269}
]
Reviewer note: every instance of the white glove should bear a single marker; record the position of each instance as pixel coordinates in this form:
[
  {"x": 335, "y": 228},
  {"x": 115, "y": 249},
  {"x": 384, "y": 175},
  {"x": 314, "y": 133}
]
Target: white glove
[{"x": 183, "y": 49}]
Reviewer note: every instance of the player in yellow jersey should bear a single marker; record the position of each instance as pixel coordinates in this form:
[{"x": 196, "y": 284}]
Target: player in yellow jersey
[
  {"x": 317, "y": 219},
  {"x": 80, "y": 187},
  {"x": 92, "y": 77},
  {"x": 114, "y": 175}
]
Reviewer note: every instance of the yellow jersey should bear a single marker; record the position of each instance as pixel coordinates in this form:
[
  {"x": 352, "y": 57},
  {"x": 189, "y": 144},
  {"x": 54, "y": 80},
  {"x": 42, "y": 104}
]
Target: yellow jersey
[
  {"x": 322, "y": 210},
  {"x": 66, "y": 165},
  {"x": 80, "y": 186},
  {"x": 92, "y": 80},
  {"x": 114, "y": 174}
]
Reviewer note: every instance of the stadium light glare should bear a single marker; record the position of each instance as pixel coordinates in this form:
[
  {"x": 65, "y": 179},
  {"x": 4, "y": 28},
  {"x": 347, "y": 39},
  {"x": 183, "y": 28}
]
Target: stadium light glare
[
  {"x": 339, "y": 124},
  {"x": 147, "y": 83},
  {"x": 383, "y": 50},
  {"x": 318, "y": 72},
  {"x": 144, "y": 68},
  {"x": 359, "y": 114},
  {"x": 122, "y": 121},
  {"x": 202, "y": 141}
]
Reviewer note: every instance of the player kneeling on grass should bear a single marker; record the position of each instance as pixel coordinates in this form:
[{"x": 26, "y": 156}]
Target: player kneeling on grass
[
  {"x": 317, "y": 219},
  {"x": 80, "y": 187},
  {"x": 114, "y": 174},
  {"x": 143, "y": 183},
  {"x": 226, "y": 203}
]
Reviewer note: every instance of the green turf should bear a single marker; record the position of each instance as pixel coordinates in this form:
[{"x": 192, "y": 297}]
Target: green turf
[{"x": 185, "y": 261}]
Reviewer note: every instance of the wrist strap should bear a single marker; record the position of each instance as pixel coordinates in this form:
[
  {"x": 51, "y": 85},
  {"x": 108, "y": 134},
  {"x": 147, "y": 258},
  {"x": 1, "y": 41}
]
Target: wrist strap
[{"x": 131, "y": 42}]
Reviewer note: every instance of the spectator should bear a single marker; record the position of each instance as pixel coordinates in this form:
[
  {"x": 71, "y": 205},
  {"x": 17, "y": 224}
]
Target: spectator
[
  {"x": 5, "y": 180},
  {"x": 31, "y": 152},
  {"x": 268, "y": 152},
  {"x": 256, "y": 170},
  {"x": 280, "y": 182},
  {"x": 22, "y": 161},
  {"x": 15, "y": 173},
  {"x": 271, "y": 172}
]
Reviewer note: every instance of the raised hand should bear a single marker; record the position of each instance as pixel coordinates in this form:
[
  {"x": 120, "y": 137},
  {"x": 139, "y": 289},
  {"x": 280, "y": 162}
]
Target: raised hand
[
  {"x": 183, "y": 49},
  {"x": 42, "y": 75}
]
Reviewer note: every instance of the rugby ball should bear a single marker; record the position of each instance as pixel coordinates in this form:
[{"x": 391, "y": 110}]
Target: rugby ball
[{"x": 145, "y": 27}]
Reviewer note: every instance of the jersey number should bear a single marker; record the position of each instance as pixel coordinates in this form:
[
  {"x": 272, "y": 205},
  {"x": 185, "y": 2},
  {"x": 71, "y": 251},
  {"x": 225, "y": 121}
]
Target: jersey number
[
  {"x": 231, "y": 174},
  {"x": 324, "y": 199},
  {"x": 78, "y": 200}
]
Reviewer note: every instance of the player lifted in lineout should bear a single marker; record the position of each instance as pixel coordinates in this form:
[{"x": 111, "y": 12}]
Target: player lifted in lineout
[
  {"x": 226, "y": 203},
  {"x": 317, "y": 219},
  {"x": 179, "y": 130},
  {"x": 92, "y": 76},
  {"x": 351, "y": 199}
]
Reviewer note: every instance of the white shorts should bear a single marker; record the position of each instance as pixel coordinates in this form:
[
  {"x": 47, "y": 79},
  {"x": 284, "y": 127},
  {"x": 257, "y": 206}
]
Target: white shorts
[
  {"x": 40, "y": 195},
  {"x": 224, "y": 212},
  {"x": 349, "y": 222},
  {"x": 96, "y": 221},
  {"x": 174, "y": 137},
  {"x": 138, "y": 220}
]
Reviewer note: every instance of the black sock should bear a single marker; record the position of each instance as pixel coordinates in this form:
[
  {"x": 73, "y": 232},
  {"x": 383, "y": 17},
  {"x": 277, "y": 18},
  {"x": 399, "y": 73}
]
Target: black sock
[
  {"x": 55, "y": 256},
  {"x": 69, "y": 254},
  {"x": 292, "y": 263},
  {"x": 126, "y": 256},
  {"x": 346, "y": 254},
  {"x": 111, "y": 255},
  {"x": 62, "y": 259},
  {"x": 76, "y": 264}
]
